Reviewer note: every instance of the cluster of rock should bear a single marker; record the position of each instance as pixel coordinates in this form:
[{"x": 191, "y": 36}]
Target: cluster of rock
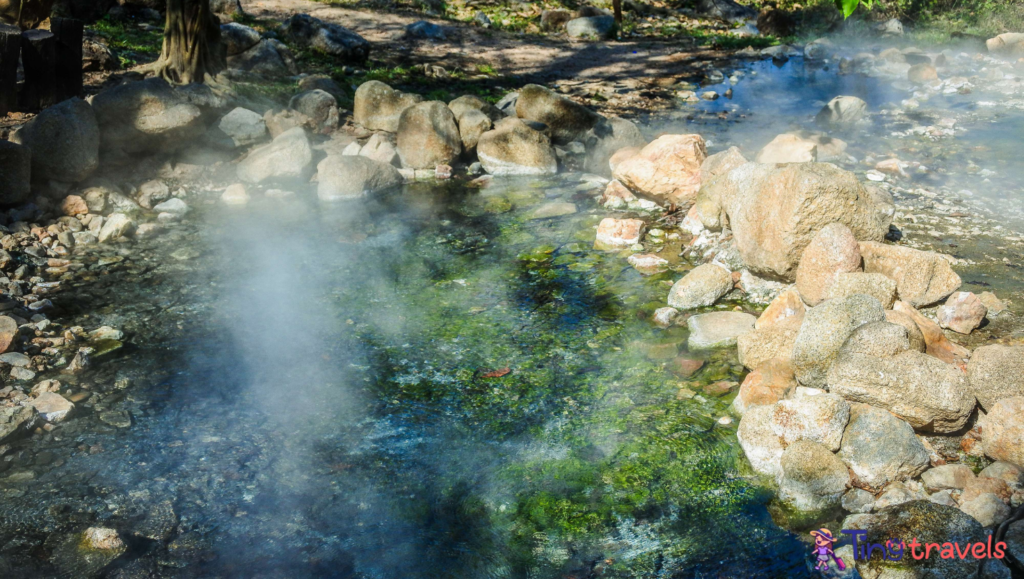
[{"x": 587, "y": 23}]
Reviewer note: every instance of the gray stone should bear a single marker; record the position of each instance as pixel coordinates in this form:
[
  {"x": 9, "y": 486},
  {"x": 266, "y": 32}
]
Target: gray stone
[
  {"x": 858, "y": 501},
  {"x": 468, "y": 103},
  {"x": 263, "y": 59},
  {"x": 947, "y": 476},
  {"x": 717, "y": 329},
  {"x": 174, "y": 206},
  {"x": 320, "y": 106},
  {"x": 811, "y": 415},
  {"x": 238, "y": 38},
  {"x": 592, "y": 27},
  {"x": 841, "y": 112},
  {"x": 16, "y": 359},
  {"x": 15, "y": 420},
  {"x": 812, "y": 477},
  {"x": 64, "y": 140},
  {"x": 428, "y": 136},
  {"x": 114, "y": 226},
  {"x": 1011, "y": 473},
  {"x": 515, "y": 148},
  {"x": 289, "y": 156},
  {"x": 944, "y": 497},
  {"x": 425, "y": 30},
  {"x": 305, "y": 31},
  {"x": 350, "y": 177},
  {"x": 878, "y": 339},
  {"x": 880, "y": 448},
  {"x": 996, "y": 372},
  {"x": 472, "y": 125},
  {"x": 606, "y": 138},
  {"x": 701, "y": 287},
  {"x": 328, "y": 85},
  {"x": 897, "y": 493},
  {"x": 987, "y": 509},
  {"x": 926, "y": 392},
  {"x": 239, "y": 128},
  {"x": 922, "y": 277},
  {"x": 567, "y": 120},
  {"x": 823, "y": 332},
  {"x": 381, "y": 148},
  {"x": 875, "y": 285},
  {"x": 15, "y": 173},
  {"x": 52, "y": 407},
  {"x": 928, "y": 523},
  {"x": 378, "y": 107},
  {"x": 145, "y": 116}
]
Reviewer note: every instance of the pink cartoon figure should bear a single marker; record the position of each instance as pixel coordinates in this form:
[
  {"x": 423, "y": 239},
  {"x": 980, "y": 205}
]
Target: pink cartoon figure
[{"x": 823, "y": 542}]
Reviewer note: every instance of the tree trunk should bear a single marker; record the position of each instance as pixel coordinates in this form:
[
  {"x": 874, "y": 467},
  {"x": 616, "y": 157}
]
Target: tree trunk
[
  {"x": 192, "y": 47},
  {"x": 617, "y": 6}
]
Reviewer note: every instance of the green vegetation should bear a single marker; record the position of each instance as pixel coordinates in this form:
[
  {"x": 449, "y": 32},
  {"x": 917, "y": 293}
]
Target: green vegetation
[{"x": 132, "y": 44}]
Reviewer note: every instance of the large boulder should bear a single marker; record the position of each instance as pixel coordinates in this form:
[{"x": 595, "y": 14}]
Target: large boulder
[
  {"x": 765, "y": 344},
  {"x": 880, "y": 448},
  {"x": 833, "y": 250},
  {"x": 1002, "y": 431},
  {"x": 768, "y": 383},
  {"x": 268, "y": 57},
  {"x": 16, "y": 420},
  {"x": 1011, "y": 43},
  {"x": 15, "y": 173},
  {"x": 996, "y": 372},
  {"x": 472, "y": 125},
  {"x": 467, "y": 103},
  {"x": 962, "y": 312},
  {"x": 926, "y": 392},
  {"x": 922, "y": 278},
  {"x": 803, "y": 199},
  {"x": 342, "y": 177},
  {"x": 378, "y": 107},
  {"x": 875, "y": 285},
  {"x": 787, "y": 309},
  {"x": 601, "y": 27},
  {"x": 812, "y": 477},
  {"x": 878, "y": 339},
  {"x": 666, "y": 170},
  {"x": 428, "y": 136},
  {"x": 238, "y": 38},
  {"x": 914, "y": 335},
  {"x": 825, "y": 329},
  {"x": 341, "y": 43},
  {"x": 566, "y": 119},
  {"x": 717, "y": 329},
  {"x": 936, "y": 342},
  {"x": 788, "y": 148},
  {"x": 721, "y": 163},
  {"x": 320, "y": 106},
  {"x": 515, "y": 148},
  {"x": 925, "y": 522},
  {"x": 606, "y": 138},
  {"x": 65, "y": 141},
  {"x": 288, "y": 157},
  {"x": 701, "y": 287},
  {"x": 146, "y": 116},
  {"x": 239, "y": 128},
  {"x": 841, "y": 112}
]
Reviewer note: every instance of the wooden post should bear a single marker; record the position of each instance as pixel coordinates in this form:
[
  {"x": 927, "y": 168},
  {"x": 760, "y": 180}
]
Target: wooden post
[
  {"x": 38, "y": 56},
  {"x": 68, "y": 34},
  {"x": 10, "y": 53}
]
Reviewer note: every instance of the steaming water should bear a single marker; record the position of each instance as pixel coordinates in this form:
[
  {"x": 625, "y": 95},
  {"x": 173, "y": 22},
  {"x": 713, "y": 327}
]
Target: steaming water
[{"x": 425, "y": 384}]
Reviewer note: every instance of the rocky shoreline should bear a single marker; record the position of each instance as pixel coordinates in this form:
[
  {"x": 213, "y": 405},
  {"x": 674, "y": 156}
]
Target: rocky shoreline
[{"x": 859, "y": 398}]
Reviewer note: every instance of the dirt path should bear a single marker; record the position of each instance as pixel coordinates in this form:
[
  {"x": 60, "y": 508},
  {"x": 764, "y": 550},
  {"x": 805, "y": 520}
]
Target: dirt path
[{"x": 629, "y": 77}]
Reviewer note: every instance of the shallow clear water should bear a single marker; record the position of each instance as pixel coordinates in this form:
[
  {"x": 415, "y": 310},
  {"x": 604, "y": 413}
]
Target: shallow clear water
[{"x": 425, "y": 384}]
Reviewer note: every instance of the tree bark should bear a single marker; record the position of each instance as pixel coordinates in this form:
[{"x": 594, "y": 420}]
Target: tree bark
[
  {"x": 68, "y": 33},
  {"x": 10, "y": 54},
  {"x": 192, "y": 47},
  {"x": 617, "y": 7}
]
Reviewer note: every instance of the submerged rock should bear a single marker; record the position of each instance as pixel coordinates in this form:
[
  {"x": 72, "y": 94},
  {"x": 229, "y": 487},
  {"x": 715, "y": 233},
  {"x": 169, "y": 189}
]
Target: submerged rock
[
  {"x": 717, "y": 329},
  {"x": 841, "y": 112}
]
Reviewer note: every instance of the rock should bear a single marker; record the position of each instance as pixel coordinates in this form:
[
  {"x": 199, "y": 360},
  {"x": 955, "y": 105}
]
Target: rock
[
  {"x": 947, "y": 476},
  {"x": 307, "y": 32},
  {"x": 786, "y": 309},
  {"x": 175, "y": 208},
  {"x": 768, "y": 383},
  {"x": 833, "y": 250},
  {"x": 994, "y": 305},
  {"x": 977, "y": 486},
  {"x": 648, "y": 263},
  {"x": 425, "y": 30},
  {"x": 103, "y": 539},
  {"x": 320, "y": 106},
  {"x": 566, "y": 119},
  {"x": 858, "y": 501},
  {"x": 264, "y": 58},
  {"x": 15, "y": 173},
  {"x": 226, "y": 7},
  {"x": 238, "y": 38},
  {"x": 819, "y": 49},
  {"x": 922, "y": 277},
  {"x": 1014, "y": 538},
  {"x": 73, "y": 205},
  {"x": 428, "y": 136},
  {"x": 878, "y": 339},
  {"x": 701, "y": 287},
  {"x": 759, "y": 442},
  {"x": 16, "y": 359},
  {"x": 1006, "y": 43},
  {"x": 554, "y": 20},
  {"x": 824, "y": 331},
  {"x": 8, "y": 332},
  {"x": 64, "y": 139},
  {"x": 812, "y": 415},
  {"x": 280, "y": 121},
  {"x": 515, "y": 148},
  {"x": 875, "y": 285},
  {"x": 665, "y": 317},
  {"x": 788, "y": 148},
  {"x": 914, "y": 335},
  {"x": 812, "y": 477},
  {"x": 1003, "y": 431},
  {"x": 468, "y": 103},
  {"x": 805, "y": 198},
  {"x": 764, "y": 344},
  {"x": 472, "y": 125},
  {"x": 97, "y": 56},
  {"x": 841, "y": 112},
  {"x": 717, "y": 329},
  {"x": 929, "y": 394},
  {"x": 987, "y": 509},
  {"x": 1012, "y": 474},
  {"x": 146, "y": 116},
  {"x": 51, "y": 406},
  {"x": 549, "y": 210},
  {"x": 925, "y": 522},
  {"x": 606, "y": 138},
  {"x": 328, "y": 85},
  {"x": 685, "y": 366},
  {"x": 352, "y": 177},
  {"x": 922, "y": 73},
  {"x": 896, "y": 494},
  {"x": 962, "y": 312},
  {"x": 239, "y": 128},
  {"x": 378, "y": 107},
  {"x": 380, "y": 148},
  {"x": 728, "y": 10},
  {"x": 116, "y": 225},
  {"x": 880, "y": 448},
  {"x": 152, "y": 192},
  {"x": 235, "y": 195},
  {"x": 721, "y": 163},
  {"x": 891, "y": 27},
  {"x": 15, "y": 420},
  {"x": 618, "y": 233},
  {"x": 288, "y": 156},
  {"x": 936, "y": 343},
  {"x": 667, "y": 170},
  {"x": 507, "y": 104},
  {"x": 592, "y": 28}
]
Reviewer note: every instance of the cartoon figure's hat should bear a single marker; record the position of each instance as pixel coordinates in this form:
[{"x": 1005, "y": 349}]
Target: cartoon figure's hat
[{"x": 827, "y": 534}]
